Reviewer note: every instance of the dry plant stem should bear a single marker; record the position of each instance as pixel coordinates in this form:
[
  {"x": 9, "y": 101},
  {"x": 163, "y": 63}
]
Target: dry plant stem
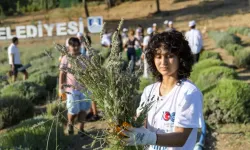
[
  {"x": 114, "y": 89},
  {"x": 47, "y": 146}
]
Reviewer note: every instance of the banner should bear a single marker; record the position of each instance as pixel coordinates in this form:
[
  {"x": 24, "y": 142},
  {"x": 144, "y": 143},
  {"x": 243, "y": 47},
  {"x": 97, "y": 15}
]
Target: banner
[{"x": 59, "y": 29}]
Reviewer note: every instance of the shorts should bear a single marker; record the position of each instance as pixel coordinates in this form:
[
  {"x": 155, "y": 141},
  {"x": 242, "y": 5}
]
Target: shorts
[
  {"x": 17, "y": 66},
  {"x": 76, "y": 102}
]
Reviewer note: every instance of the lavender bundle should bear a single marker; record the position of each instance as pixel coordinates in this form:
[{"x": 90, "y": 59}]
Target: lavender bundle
[{"x": 113, "y": 89}]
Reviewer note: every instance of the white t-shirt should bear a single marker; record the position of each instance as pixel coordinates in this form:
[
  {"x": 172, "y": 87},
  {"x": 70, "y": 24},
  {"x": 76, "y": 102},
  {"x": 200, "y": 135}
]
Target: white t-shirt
[
  {"x": 106, "y": 39},
  {"x": 137, "y": 44},
  {"x": 14, "y": 50},
  {"x": 146, "y": 40},
  {"x": 145, "y": 44},
  {"x": 194, "y": 39},
  {"x": 181, "y": 107}
]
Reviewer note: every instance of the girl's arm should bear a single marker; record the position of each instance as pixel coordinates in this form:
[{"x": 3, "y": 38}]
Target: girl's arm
[
  {"x": 62, "y": 79},
  {"x": 175, "y": 139}
]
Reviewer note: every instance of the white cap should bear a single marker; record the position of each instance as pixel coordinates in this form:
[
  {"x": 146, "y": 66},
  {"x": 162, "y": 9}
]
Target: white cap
[
  {"x": 170, "y": 22},
  {"x": 165, "y": 22},
  {"x": 79, "y": 34},
  {"x": 154, "y": 24},
  {"x": 149, "y": 30},
  {"x": 124, "y": 30},
  {"x": 191, "y": 23},
  {"x": 138, "y": 30}
]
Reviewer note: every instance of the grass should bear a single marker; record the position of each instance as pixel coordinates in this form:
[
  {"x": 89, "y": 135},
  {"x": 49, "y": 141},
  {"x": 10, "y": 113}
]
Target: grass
[{"x": 33, "y": 134}]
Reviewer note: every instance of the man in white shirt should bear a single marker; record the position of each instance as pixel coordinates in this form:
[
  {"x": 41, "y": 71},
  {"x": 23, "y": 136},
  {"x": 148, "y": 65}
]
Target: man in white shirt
[
  {"x": 171, "y": 25},
  {"x": 145, "y": 44},
  {"x": 166, "y": 25},
  {"x": 14, "y": 60},
  {"x": 155, "y": 28},
  {"x": 106, "y": 39},
  {"x": 194, "y": 39}
]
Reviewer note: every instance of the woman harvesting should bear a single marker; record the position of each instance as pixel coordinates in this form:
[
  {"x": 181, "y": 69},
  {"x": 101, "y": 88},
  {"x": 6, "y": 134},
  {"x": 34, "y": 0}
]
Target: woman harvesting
[{"x": 176, "y": 113}]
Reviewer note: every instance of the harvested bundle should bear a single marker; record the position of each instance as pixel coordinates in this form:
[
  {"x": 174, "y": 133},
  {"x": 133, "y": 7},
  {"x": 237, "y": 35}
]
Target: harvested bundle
[{"x": 114, "y": 90}]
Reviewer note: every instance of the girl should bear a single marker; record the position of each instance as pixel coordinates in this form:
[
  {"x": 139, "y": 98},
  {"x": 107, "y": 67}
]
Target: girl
[
  {"x": 176, "y": 111},
  {"x": 130, "y": 45},
  {"x": 76, "y": 105}
]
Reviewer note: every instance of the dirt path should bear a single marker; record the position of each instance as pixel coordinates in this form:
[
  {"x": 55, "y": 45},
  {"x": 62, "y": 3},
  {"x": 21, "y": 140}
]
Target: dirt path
[{"x": 93, "y": 129}]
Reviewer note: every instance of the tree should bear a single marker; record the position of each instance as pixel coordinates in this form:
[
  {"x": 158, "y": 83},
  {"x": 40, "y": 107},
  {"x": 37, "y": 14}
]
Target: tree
[
  {"x": 85, "y": 8},
  {"x": 2, "y": 15},
  {"x": 46, "y": 5},
  {"x": 110, "y": 3},
  {"x": 157, "y": 6}
]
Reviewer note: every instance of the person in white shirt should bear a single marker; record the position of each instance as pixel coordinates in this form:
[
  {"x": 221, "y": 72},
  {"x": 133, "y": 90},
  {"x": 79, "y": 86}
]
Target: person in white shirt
[
  {"x": 124, "y": 33},
  {"x": 145, "y": 45},
  {"x": 14, "y": 59},
  {"x": 124, "y": 36},
  {"x": 155, "y": 28},
  {"x": 138, "y": 46},
  {"x": 83, "y": 50},
  {"x": 79, "y": 35},
  {"x": 175, "y": 114},
  {"x": 170, "y": 26},
  {"x": 106, "y": 39},
  {"x": 166, "y": 25},
  {"x": 195, "y": 41}
]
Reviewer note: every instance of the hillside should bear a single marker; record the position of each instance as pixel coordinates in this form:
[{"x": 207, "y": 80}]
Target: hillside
[{"x": 213, "y": 14}]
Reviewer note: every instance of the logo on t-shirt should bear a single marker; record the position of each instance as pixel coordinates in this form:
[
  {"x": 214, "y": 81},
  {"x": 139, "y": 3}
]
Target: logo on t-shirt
[{"x": 168, "y": 116}]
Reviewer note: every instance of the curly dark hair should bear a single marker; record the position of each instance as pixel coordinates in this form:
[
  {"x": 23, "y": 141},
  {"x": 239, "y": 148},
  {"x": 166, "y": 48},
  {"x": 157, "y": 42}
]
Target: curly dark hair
[{"x": 173, "y": 42}]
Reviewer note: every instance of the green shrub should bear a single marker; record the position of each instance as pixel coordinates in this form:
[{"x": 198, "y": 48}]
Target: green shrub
[
  {"x": 233, "y": 48},
  {"x": 210, "y": 76},
  {"x": 145, "y": 82},
  {"x": 104, "y": 53},
  {"x": 242, "y": 58},
  {"x": 48, "y": 80},
  {"x": 124, "y": 56},
  {"x": 204, "y": 64},
  {"x": 224, "y": 38},
  {"x": 228, "y": 102},
  {"x": 67, "y": 3},
  {"x": 27, "y": 90},
  {"x": 209, "y": 54},
  {"x": 14, "y": 109},
  {"x": 55, "y": 108},
  {"x": 33, "y": 134},
  {"x": 239, "y": 30},
  {"x": 3, "y": 81}
]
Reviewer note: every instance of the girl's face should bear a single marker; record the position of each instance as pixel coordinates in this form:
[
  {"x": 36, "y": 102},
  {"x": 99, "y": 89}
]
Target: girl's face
[
  {"x": 74, "y": 49},
  {"x": 166, "y": 63}
]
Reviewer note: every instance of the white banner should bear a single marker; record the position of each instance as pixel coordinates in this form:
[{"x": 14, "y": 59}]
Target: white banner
[{"x": 59, "y": 29}]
